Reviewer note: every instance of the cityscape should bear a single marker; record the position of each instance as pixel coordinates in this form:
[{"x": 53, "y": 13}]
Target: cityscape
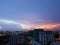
[
  {"x": 29, "y": 22},
  {"x": 33, "y": 37}
]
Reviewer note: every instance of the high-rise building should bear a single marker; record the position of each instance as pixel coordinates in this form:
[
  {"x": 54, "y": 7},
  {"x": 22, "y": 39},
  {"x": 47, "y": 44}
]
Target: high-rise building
[{"x": 46, "y": 37}]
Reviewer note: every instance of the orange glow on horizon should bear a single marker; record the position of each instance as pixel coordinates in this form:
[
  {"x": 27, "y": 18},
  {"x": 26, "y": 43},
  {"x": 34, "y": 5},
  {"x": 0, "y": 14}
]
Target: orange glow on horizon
[{"x": 48, "y": 26}]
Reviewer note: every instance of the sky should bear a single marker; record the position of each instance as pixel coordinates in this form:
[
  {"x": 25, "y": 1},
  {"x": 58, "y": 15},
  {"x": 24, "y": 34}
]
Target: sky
[{"x": 32, "y": 13}]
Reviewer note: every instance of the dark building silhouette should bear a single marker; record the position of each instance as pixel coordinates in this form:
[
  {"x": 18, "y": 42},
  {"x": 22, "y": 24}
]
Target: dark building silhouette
[
  {"x": 57, "y": 35},
  {"x": 4, "y": 38},
  {"x": 35, "y": 33}
]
